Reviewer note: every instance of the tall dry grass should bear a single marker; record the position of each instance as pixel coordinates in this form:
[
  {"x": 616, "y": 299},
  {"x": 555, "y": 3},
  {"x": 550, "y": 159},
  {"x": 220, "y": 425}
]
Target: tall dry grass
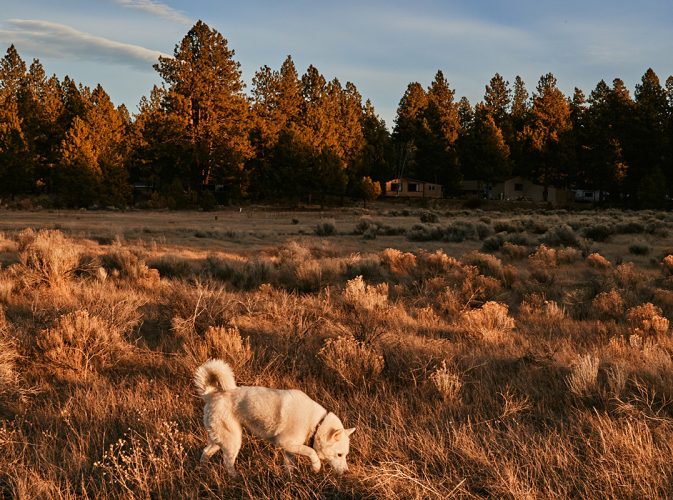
[{"x": 527, "y": 372}]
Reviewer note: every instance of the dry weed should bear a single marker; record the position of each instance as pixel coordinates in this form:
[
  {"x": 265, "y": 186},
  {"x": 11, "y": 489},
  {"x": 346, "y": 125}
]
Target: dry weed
[
  {"x": 583, "y": 378},
  {"x": 354, "y": 362},
  {"x": 448, "y": 384},
  {"x": 144, "y": 465}
]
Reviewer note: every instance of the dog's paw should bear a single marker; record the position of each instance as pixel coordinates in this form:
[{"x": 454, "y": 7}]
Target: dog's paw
[{"x": 316, "y": 466}]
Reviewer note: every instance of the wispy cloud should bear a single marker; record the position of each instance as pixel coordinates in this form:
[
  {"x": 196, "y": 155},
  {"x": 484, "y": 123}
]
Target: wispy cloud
[
  {"x": 59, "y": 40},
  {"x": 156, "y": 8}
]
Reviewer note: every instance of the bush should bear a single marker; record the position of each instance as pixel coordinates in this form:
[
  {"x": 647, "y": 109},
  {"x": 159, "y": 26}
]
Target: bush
[
  {"x": 49, "y": 258},
  {"x": 647, "y": 319},
  {"x": 424, "y": 232},
  {"x": 599, "y": 232},
  {"x": 513, "y": 251},
  {"x": 82, "y": 342},
  {"x": 427, "y": 216},
  {"x": 492, "y": 243},
  {"x": 352, "y": 361},
  {"x": 218, "y": 342},
  {"x": 399, "y": 263},
  {"x": 326, "y": 228},
  {"x": 639, "y": 248},
  {"x": 608, "y": 305},
  {"x": 490, "y": 322},
  {"x": 561, "y": 235},
  {"x": 597, "y": 261}
]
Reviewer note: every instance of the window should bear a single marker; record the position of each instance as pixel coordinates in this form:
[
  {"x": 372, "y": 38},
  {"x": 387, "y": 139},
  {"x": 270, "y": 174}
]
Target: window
[
  {"x": 588, "y": 194},
  {"x": 518, "y": 186},
  {"x": 412, "y": 187},
  {"x": 395, "y": 187}
]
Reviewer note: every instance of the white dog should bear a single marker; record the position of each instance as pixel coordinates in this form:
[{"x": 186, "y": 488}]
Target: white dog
[{"x": 287, "y": 418}]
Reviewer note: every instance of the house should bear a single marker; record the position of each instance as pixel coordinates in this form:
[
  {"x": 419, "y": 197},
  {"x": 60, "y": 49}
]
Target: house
[
  {"x": 474, "y": 188},
  {"x": 520, "y": 188},
  {"x": 412, "y": 188},
  {"x": 589, "y": 195}
]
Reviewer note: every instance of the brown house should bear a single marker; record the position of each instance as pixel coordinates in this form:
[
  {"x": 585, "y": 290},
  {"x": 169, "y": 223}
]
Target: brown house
[
  {"x": 412, "y": 188},
  {"x": 520, "y": 188}
]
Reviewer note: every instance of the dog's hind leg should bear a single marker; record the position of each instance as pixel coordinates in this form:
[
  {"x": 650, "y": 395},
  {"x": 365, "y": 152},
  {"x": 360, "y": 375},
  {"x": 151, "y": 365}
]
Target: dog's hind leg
[{"x": 229, "y": 441}]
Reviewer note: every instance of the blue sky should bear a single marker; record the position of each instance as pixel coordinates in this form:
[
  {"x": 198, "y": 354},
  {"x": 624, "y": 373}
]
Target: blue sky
[{"x": 380, "y": 46}]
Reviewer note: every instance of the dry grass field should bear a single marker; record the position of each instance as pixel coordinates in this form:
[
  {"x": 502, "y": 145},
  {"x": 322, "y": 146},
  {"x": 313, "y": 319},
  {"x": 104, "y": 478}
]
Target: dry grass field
[{"x": 481, "y": 354}]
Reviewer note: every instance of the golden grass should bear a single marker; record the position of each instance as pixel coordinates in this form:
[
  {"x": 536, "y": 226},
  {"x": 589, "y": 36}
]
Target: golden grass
[{"x": 524, "y": 372}]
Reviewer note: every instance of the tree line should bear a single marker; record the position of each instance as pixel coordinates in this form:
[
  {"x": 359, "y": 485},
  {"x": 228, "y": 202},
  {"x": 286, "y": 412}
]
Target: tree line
[{"x": 200, "y": 137}]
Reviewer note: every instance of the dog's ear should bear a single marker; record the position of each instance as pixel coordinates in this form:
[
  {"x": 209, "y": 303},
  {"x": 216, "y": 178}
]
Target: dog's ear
[
  {"x": 335, "y": 434},
  {"x": 350, "y": 431}
]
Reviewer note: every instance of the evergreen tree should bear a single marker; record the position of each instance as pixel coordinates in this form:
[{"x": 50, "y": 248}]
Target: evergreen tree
[
  {"x": 547, "y": 133},
  {"x": 205, "y": 96},
  {"x": 14, "y": 178},
  {"x": 484, "y": 153},
  {"x": 78, "y": 176},
  {"x": 497, "y": 99},
  {"x": 650, "y": 136}
]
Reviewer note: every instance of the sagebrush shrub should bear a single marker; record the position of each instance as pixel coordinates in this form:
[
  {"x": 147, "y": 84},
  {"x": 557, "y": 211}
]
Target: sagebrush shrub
[
  {"x": 559, "y": 235},
  {"x": 490, "y": 322},
  {"x": 82, "y": 342},
  {"x": 608, "y": 305},
  {"x": 543, "y": 257},
  {"x": 326, "y": 228},
  {"x": 639, "y": 248},
  {"x": 435, "y": 263},
  {"x": 647, "y": 319},
  {"x": 597, "y": 261},
  {"x": 399, "y": 263},
  {"x": 667, "y": 263},
  {"x": 514, "y": 251},
  {"x": 353, "y": 361},
  {"x": 49, "y": 258},
  {"x": 217, "y": 342}
]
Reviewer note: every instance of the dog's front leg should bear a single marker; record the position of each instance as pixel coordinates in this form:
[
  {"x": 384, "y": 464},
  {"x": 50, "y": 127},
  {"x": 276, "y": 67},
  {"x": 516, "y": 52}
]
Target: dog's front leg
[{"x": 307, "y": 451}]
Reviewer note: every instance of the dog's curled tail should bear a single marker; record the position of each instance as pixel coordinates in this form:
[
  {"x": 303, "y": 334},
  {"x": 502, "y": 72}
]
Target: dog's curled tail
[{"x": 214, "y": 376}]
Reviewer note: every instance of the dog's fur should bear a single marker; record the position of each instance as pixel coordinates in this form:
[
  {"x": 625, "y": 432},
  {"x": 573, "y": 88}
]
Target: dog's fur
[{"x": 287, "y": 418}]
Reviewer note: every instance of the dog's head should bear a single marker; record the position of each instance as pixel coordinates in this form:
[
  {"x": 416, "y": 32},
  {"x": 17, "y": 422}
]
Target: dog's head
[{"x": 333, "y": 446}]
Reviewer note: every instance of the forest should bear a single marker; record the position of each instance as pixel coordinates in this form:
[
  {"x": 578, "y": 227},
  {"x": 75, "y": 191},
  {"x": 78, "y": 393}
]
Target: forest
[{"x": 203, "y": 138}]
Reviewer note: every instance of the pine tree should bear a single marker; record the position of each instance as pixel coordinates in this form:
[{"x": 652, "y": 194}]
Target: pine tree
[
  {"x": 78, "y": 176},
  {"x": 14, "y": 177},
  {"x": 650, "y": 138},
  {"x": 205, "y": 95},
  {"x": 547, "y": 133},
  {"x": 483, "y": 152},
  {"x": 497, "y": 99}
]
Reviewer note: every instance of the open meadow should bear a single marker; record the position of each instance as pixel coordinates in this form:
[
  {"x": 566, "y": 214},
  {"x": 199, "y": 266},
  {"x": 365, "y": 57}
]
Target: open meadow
[{"x": 479, "y": 353}]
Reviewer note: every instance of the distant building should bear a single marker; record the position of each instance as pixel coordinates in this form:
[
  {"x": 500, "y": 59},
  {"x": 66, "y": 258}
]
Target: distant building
[
  {"x": 522, "y": 189},
  {"x": 474, "y": 188},
  {"x": 412, "y": 188},
  {"x": 589, "y": 195}
]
